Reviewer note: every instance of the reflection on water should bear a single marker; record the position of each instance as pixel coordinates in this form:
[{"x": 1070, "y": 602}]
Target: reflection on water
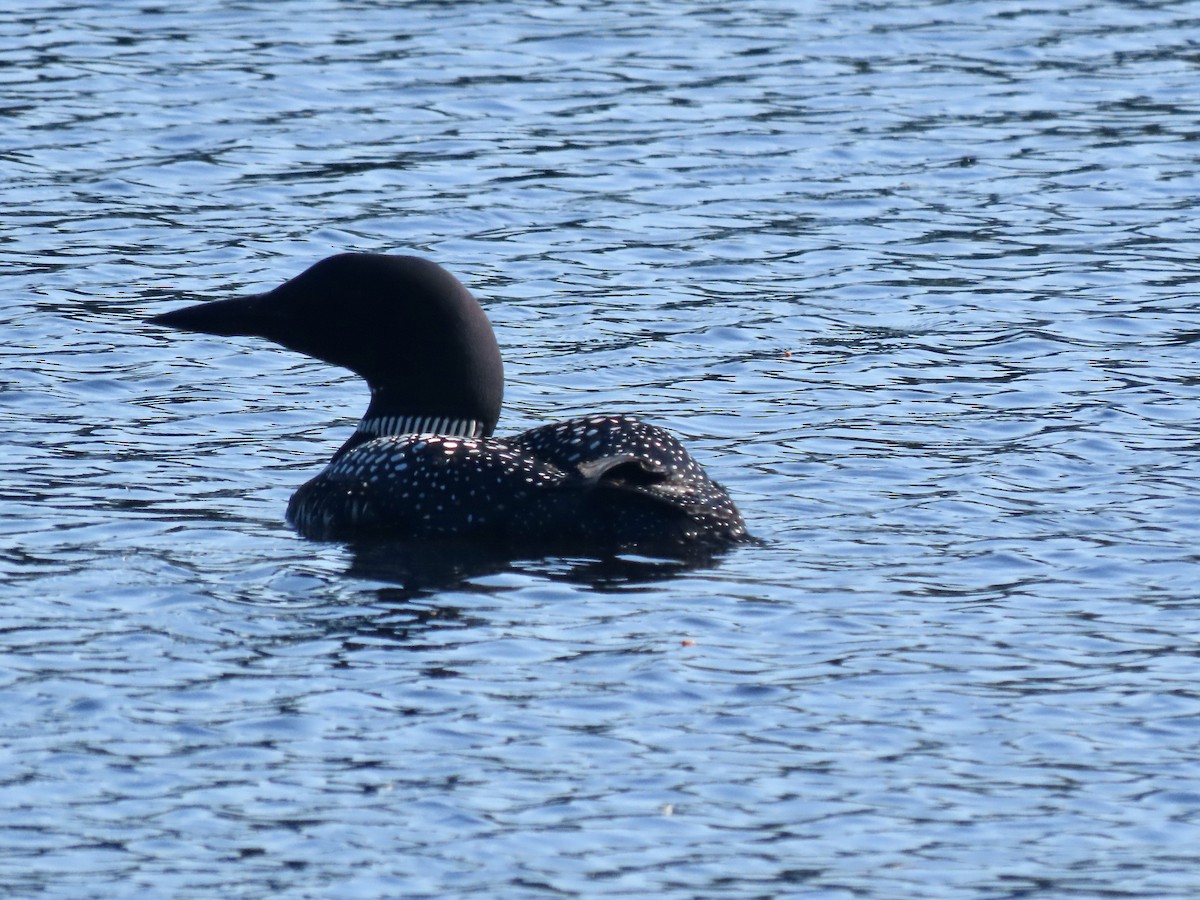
[
  {"x": 915, "y": 281},
  {"x": 426, "y": 568}
]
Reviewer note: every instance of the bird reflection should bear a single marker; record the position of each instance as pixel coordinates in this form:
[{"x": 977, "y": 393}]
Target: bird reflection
[
  {"x": 422, "y": 569},
  {"x": 415, "y": 608}
]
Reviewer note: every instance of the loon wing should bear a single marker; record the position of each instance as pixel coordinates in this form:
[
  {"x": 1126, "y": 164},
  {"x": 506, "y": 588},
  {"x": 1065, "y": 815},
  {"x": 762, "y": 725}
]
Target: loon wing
[{"x": 623, "y": 468}]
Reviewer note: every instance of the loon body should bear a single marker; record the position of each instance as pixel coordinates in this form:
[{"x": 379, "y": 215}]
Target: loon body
[{"x": 423, "y": 463}]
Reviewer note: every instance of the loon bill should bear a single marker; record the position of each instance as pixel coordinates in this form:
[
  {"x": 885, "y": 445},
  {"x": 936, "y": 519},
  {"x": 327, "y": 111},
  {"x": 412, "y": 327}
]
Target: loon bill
[{"x": 423, "y": 462}]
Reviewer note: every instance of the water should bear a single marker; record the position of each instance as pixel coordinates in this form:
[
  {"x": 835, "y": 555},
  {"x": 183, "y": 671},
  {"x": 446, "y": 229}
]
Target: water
[{"x": 914, "y": 280}]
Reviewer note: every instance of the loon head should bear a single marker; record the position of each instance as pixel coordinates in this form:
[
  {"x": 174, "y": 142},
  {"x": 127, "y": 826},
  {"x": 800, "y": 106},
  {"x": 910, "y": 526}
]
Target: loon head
[{"x": 406, "y": 325}]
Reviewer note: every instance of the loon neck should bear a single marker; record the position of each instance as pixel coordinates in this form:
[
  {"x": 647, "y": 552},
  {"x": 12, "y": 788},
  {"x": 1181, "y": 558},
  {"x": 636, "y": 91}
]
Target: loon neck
[
  {"x": 373, "y": 426},
  {"x": 390, "y": 414}
]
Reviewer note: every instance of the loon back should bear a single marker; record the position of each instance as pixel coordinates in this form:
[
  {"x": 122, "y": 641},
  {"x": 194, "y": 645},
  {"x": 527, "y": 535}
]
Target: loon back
[
  {"x": 595, "y": 481},
  {"x": 422, "y": 462}
]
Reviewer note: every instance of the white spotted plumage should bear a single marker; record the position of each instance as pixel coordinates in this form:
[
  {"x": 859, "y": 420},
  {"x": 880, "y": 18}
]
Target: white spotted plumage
[{"x": 532, "y": 486}]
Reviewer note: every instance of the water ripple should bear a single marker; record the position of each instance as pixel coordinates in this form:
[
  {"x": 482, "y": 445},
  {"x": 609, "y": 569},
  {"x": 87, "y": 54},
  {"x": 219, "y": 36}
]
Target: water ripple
[{"x": 913, "y": 279}]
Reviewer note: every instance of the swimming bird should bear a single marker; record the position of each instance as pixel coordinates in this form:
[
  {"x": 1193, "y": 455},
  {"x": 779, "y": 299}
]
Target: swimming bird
[{"x": 423, "y": 462}]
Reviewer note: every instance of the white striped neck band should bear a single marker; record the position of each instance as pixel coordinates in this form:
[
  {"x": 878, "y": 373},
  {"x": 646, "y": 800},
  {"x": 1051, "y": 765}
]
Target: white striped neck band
[{"x": 380, "y": 426}]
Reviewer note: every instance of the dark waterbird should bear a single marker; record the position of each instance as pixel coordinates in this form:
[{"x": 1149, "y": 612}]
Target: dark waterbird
[{"x": 423, "y": 465}]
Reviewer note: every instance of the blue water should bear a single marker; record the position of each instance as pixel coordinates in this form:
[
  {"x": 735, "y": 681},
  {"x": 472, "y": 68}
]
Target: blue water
[{"x": 916, "y": 281}]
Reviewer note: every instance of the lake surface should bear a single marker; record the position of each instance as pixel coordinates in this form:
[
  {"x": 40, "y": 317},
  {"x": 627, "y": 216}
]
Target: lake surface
[{"x": 916, "y": 281}]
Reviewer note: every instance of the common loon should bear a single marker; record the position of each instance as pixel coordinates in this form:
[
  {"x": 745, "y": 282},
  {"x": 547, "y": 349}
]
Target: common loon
[{"x": 423, "y": 463}]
